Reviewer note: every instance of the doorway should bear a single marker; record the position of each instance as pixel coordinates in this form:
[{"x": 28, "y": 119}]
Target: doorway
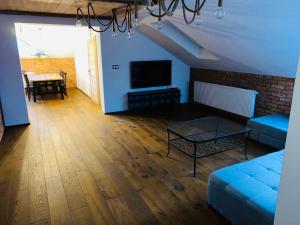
[{"x": 45, "y": 49}]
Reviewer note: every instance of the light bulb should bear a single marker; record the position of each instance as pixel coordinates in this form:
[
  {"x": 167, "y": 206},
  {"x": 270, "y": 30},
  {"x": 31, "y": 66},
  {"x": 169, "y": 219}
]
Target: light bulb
[
  {"x": 169, "y": 13},
  {"x": 159, "y": 25},
  {"x": 198, "y": 20},
  {"x": 220, "y": 13},
  {"x": 129, "y": 35},
  {"x": 78, "y": 23},
  {"x": 149, "y": 6},
  {"x": 114, "y": 34},
  {"x": 136, "y": 23}
]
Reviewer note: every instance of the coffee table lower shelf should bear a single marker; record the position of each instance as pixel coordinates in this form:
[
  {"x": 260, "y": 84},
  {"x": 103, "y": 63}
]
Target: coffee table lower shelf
[{"x": 206, "y": 148}]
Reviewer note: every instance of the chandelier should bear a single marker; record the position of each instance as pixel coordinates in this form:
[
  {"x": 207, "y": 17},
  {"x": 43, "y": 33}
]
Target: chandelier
[
  {"x": 155, "y": 8},
  {"x": 118, "y": 25}
]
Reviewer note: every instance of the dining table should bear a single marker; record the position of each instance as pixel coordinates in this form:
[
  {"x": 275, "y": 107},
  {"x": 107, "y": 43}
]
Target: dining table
[{"x": 37, "y": 79}]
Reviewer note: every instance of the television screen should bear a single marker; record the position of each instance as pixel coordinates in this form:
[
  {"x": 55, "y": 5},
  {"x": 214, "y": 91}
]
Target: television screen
[{"x": 151, "y": 73}]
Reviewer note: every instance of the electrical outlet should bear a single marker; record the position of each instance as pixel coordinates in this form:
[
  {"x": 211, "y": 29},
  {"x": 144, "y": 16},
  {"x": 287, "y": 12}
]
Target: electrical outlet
[{"x": 115, "y": 67}]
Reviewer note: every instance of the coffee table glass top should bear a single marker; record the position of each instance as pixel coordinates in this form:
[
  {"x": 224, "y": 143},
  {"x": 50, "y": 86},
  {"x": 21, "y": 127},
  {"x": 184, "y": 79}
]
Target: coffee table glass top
[{"x": 207, "y": 129}]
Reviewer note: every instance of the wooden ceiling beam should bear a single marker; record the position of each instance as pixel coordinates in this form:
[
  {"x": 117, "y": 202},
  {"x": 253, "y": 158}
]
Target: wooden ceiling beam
[
  {"x": 29, "y": 13},
  {"x": 139, "y": 2},
  {"x": 61, "y": 8}
]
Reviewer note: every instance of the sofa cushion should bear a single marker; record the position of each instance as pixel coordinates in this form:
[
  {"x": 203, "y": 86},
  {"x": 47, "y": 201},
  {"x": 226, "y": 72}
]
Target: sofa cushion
[
  {"x": 270, "y": 130},
  {"x": 277, "y": 121},
  {"x": 246, "y": 193}
]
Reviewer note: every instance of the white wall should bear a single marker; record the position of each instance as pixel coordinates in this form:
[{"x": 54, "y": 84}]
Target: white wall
[
  {"x": 120, "y": 51},
  {"x": 288, "y": 206},
  {"x": 11, "y": 84},
  {"x": 55, "y": 40}
]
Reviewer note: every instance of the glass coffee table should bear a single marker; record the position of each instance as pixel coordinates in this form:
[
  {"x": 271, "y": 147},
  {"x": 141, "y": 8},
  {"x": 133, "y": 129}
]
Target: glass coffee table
[{"x": 207, "y": 136}]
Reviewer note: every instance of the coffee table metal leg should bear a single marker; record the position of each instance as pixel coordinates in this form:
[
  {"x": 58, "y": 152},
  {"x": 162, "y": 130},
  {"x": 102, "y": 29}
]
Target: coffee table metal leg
[
  {"x": 246, "y": 144},
  {"x": 195, "y": 159}
]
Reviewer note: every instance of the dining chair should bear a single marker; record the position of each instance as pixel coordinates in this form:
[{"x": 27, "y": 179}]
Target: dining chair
[
  {"x": 29, "y": 87},
  {"x": 64, "y": 82},
  {"x": 51, "y": 87}
]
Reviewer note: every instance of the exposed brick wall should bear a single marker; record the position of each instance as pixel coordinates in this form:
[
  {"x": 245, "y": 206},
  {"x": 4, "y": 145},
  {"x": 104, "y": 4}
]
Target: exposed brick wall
[
  {"x": 274, "y": 93},
  {"x": 51, "y": 65}
]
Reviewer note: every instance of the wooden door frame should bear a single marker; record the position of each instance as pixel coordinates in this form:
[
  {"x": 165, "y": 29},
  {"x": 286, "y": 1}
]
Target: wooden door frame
[{"x": 97, "y": 72}]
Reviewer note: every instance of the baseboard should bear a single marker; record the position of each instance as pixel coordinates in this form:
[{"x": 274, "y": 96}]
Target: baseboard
[
  {"x": 141, "y": 109},
  {"x": 19, "y": 125},
  {"x": 116, "y": 112}
]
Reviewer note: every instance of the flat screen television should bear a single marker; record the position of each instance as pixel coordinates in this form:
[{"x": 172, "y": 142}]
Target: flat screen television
[{"x": 150, "y": 73}]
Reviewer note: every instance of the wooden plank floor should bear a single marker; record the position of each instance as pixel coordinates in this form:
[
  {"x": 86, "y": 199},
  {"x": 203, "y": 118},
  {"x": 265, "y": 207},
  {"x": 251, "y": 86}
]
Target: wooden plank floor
[{"x": 74, "y": 165}]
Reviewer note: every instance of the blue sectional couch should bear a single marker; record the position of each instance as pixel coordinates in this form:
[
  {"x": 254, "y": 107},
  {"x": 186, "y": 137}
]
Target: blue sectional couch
[
  {"x": 270, "y": 130},
  {"x": 246, "y": 193}
]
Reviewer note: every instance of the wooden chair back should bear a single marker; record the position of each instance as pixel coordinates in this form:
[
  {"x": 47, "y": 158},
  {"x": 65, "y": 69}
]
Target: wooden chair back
[
  {"x": 64, "y": 75},
  {"x": 26, "y": 80}
]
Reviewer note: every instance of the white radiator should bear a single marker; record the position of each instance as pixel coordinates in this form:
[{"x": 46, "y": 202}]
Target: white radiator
[{"x": 231, "y": 99}]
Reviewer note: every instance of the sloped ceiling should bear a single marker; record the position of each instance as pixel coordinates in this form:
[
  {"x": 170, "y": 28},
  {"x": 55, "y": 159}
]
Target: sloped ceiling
[
  {"x": 176, "y": 42},
  {"x": 255, "y": 36}
]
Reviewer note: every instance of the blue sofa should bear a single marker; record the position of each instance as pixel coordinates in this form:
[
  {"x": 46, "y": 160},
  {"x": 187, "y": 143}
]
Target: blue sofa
[
  {"x": 246, "y": 193},
  {"x": 270, "y": 130}
]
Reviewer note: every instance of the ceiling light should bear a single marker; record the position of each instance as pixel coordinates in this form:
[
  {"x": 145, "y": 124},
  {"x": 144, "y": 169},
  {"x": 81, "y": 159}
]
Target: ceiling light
[
  {"x": 122, "y": 25},
  {"x": 78, "y": 23},
  {"x": 198, "y": 20},
  {"x": 162, "y": 8},
  {"x": 155, "y": 8},
  {"x": 220, "y": 13}
]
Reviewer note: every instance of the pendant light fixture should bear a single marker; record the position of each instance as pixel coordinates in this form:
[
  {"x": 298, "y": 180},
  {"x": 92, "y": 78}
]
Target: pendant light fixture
[
  {"x": 161, "y": 9},
  {"x": 156, "y": 8},
  {"x": 122, "y": 25}
]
